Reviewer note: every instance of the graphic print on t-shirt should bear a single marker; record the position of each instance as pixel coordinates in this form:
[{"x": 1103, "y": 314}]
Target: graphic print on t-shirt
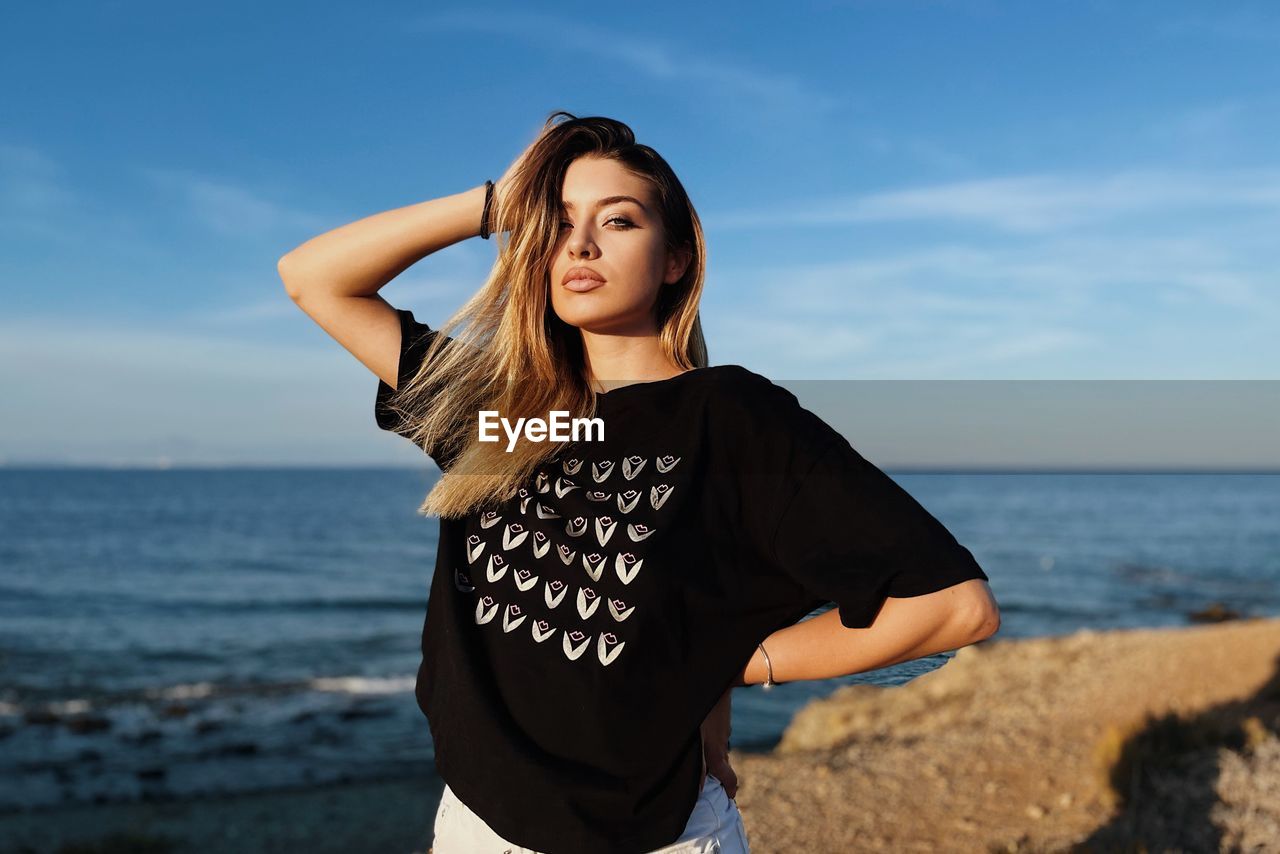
[{"x": 566, "y": 556}]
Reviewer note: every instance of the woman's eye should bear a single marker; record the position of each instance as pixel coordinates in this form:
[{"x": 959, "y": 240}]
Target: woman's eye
[{"x": 623, "y": 222}]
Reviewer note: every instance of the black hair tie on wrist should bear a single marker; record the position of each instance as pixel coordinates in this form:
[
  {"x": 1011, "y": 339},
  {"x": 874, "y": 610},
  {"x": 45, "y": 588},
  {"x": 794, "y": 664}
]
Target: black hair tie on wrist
[{"x": 484, "y": 219}]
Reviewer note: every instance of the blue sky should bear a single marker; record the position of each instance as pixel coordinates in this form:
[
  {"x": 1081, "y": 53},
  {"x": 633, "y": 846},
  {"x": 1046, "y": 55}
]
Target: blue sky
[{"x": 890, "y": 190}]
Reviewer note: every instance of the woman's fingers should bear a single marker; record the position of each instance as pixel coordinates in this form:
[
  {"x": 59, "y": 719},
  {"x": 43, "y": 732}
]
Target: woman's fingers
[{"x": 725, "y": 774}]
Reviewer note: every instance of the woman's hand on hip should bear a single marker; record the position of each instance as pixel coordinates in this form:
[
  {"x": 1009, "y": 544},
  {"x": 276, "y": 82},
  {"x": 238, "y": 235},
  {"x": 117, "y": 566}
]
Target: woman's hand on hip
[{"x": 715, "y": 745}]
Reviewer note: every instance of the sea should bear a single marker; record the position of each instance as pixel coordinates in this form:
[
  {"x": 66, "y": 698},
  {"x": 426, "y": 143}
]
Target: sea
[{"x": 175, "y": 633}]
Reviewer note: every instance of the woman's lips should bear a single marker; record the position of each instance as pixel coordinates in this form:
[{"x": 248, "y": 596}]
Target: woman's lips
[{"x": 582, "y": 285}]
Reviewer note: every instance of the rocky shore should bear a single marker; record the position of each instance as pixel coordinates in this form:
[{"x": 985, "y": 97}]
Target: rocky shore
[{"x": 1142, "y": 740}]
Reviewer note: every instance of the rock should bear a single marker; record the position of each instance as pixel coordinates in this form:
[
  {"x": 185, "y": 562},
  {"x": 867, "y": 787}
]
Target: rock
[
  {"x": 88, "y": 723},
  {"x": 41, "y": 717}
]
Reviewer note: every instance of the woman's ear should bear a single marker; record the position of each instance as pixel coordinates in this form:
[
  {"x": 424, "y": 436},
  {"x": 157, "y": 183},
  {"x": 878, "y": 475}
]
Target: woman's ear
[{"x": 677, "y": 264}]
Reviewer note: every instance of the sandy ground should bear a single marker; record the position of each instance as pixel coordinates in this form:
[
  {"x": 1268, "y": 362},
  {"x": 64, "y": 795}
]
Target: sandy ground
[{"x": 1145, "y": 740}]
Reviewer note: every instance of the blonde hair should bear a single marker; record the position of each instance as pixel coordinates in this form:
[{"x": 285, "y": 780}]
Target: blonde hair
[{"x": 514, "y": 354}]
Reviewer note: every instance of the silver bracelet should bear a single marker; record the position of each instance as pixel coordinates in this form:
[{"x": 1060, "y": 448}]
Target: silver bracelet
[{"x": 768, "y": 682}]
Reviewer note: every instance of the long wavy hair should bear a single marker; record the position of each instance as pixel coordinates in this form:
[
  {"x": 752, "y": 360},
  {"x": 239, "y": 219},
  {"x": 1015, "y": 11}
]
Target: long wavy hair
[{"x": 507, "y": 350}]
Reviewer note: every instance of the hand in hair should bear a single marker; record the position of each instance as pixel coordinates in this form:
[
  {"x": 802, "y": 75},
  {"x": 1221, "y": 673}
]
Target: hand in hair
[{"x": 501, "y": 185}]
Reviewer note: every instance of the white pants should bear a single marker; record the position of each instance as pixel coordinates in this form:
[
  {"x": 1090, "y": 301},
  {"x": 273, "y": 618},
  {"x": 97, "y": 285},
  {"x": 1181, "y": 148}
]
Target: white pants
[{"x": 715, "y": 827}]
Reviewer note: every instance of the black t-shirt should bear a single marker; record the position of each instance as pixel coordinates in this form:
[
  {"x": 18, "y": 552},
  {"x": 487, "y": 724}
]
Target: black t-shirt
[{"x": 577, "y": 636}]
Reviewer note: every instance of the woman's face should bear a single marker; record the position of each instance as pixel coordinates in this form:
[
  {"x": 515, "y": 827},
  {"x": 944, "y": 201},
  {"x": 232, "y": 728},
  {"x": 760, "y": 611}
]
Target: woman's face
[{"x": 622, "y": 241}]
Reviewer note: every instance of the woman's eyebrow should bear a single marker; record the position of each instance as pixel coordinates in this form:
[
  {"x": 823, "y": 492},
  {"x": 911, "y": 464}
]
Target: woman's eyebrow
[{"x": 608, "y": 200}]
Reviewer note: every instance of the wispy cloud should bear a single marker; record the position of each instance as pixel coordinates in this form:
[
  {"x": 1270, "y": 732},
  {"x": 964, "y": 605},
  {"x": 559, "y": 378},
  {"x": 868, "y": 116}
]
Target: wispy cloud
[
  {"x": 1256, "y": 25},
  {"x": 274, "y": 307},
  {"x": 1028, "y": 204},
  {"x": 35, "y": 194},
  {"x": 230, "y": 208},
  {"x": 669, "y": 63},
  {"x": 910, "y": 332},
  {"x": 1150, "y": 251},
  {"x": 1052, "y": 272},
  {"x": 1205, "y": 121},
  {"x": 432, "y": 296}
]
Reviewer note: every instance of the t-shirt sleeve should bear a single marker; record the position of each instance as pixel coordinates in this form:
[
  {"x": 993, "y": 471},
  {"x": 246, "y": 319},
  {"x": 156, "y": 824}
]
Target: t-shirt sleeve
[
  {"x": 849, "y": 534},
  {"x": 415, "y": 338}
]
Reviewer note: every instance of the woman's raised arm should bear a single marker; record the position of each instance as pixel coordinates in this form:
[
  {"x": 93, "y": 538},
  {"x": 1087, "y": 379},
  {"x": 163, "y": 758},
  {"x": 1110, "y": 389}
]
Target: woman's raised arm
[{"x": 335, "y": 277}]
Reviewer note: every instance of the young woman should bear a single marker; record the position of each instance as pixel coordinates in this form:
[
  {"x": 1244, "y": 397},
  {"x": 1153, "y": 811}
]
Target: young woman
[{"x": 597, "y": 596}]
